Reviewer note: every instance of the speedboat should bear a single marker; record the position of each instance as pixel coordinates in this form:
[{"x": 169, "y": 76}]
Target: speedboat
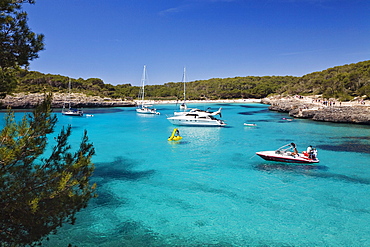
[
  {"x": 288, "y": 153},
  {"x": 197, "y": 117}
]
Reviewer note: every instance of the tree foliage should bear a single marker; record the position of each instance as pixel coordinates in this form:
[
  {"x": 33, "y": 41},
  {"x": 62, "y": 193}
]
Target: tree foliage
[
  {"x": 343, "y": 82},
  {"x": 39, "y": 193},
  {"x": 18, "y": 44}
]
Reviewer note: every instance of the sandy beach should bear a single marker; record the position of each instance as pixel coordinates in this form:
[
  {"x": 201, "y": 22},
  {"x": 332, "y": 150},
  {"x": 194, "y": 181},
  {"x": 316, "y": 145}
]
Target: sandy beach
[
  {"x": 152, "y": 102},
  {"x": 304, "y": 99}
]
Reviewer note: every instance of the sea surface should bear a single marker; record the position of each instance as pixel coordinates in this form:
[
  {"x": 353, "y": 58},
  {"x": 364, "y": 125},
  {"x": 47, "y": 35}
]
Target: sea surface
[{"x": 210, "y": 189}]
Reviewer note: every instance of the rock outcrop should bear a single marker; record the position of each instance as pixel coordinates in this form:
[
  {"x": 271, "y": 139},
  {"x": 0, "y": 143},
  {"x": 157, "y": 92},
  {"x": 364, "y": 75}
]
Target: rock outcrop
[
  {"x": 358, "y": 114},
  {"x": 27, "y": 101}
]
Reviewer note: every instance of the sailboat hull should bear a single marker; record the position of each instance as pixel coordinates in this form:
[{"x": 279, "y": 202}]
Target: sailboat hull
[
  {"x": 147, "y": 111},
  {"x": 73, "y": 113}
]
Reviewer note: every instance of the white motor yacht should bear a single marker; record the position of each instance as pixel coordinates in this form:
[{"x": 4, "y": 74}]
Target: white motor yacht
[
  {"x": 198, "y": 111},
  {"x": 197, "y": 117}
]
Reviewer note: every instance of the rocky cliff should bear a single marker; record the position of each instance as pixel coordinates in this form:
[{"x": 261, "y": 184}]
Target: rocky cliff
[
  {"x": 27, "y": 101},
  {"x": 338, "y": 113}
]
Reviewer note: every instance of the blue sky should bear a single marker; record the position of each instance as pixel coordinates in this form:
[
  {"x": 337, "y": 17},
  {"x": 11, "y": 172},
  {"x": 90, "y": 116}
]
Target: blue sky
[{"x": 113, "y": 39}]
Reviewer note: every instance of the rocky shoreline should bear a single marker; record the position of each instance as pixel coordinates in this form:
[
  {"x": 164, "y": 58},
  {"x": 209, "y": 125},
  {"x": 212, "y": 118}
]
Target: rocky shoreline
[
  {"x": 298, "y": 107},
  {"x": 78, "y": 100},
  {"x": 309, "y": 108},
  {"x": 28, "y": 101}
]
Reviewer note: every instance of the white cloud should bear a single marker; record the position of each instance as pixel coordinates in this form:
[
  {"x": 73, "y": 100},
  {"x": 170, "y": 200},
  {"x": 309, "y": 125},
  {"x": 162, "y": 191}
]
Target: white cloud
[{"x": 190, "y": 4}]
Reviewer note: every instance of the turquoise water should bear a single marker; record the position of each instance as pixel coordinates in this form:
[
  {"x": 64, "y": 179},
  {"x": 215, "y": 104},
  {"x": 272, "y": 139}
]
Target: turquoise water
[{"x": 210, "y": 189}]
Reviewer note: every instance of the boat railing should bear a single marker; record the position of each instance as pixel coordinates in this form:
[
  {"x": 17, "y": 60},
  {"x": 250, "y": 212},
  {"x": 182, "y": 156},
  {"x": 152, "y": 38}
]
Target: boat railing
[{"x": 286, "y": 149}]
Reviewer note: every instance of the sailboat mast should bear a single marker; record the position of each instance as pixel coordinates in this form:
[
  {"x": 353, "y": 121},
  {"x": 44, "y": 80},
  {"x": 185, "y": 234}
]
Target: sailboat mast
[
  {"x": 143, "y": 79},
  {"x": 69, "y": 93},
  {"x": 184, "y": 80}
]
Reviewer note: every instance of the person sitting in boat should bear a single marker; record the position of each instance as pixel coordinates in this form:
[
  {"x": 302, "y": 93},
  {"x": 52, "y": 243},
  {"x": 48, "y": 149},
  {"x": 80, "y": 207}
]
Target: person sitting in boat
[
  {"x": 309, "y": 151},
  {"x": 177, "y": 133},
  {"x": 314, "y": 153},
  {"x": 295, "y": 151}
]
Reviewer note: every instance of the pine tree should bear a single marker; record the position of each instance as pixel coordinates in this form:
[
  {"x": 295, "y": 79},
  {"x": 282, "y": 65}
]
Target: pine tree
[
  {"x": 18, "y": 44},
  {"x": 39, "y": 193}
]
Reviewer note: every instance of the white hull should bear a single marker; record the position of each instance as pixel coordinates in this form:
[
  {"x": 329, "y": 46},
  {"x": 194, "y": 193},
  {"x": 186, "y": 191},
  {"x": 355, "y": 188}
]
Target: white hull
[
  {"x": 77, "y": 113},
  {"x": 179, "y": 120},
  {"x": 286, "y": 157},
  {"x": 147, "y": 111},
  {"x": 196, "y": 117}
]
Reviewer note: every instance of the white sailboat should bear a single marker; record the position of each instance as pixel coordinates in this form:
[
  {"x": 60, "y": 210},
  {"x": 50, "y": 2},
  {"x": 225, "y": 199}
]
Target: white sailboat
[
  {"x": 71, "y": 111},
  {"x": 142, "y": 108},
  {"x": 183, "y": 105}
]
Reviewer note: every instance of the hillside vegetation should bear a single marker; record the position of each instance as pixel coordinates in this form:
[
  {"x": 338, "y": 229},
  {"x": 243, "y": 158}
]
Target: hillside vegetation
[{"x": 342, "y": 82}]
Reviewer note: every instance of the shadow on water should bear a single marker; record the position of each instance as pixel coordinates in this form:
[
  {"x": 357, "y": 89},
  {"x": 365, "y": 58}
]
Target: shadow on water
[
  {"x": 255, "y": 105},
  {"x": 178, "y": 142},
  {"x": 311, "y": 171},
  {"x": 208, "y": 189},
  {"x": 298, "y": 168},
  {"x": 253, "y": 112},
  {"x": 285, "y": 140},
  {"x": 121, "y": 169},
  {"x": 261, "y": 121},
  {"x": 348, "y": 146},
  {"x": 354, "y": 137},
  {"x": 133, "y": 233},
  {"x": 106, "y": 199}
]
